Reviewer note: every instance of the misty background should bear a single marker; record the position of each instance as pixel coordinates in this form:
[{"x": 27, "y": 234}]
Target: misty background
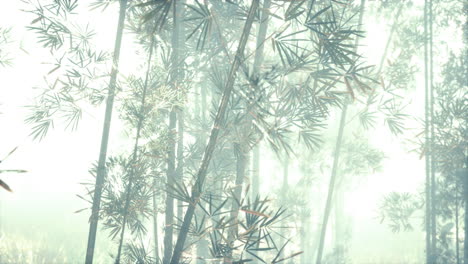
[{"x": 39, "y": 216}]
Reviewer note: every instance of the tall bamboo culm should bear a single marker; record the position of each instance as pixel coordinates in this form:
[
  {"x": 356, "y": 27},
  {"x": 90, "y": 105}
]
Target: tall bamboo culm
[
  {"x": 331, "y": 186},
  {"x": 101, "y": 169},
  {"x": 201, "y": 175}
]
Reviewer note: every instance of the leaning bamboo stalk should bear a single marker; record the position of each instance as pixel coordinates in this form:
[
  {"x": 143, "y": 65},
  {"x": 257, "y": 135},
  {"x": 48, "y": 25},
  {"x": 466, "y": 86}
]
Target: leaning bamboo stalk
[
  {"x": 101, "y": 169},
  {"x": 201, "y": 175},
  {"x": 242, "y": 148},
  {"x": 331, "y": 186},
  {"x": 128, "y": 192}
]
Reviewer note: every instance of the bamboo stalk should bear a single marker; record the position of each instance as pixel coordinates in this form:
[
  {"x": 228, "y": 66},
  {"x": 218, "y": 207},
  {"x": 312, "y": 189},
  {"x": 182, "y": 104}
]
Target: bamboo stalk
[
  {"x": 331, "y": 186},
  {"x": 427, "y": 146},
  {"x": 201, "y": 175},
  {"x": 431, "y": 136},
  {"x": 171, "y": 172},
  {"x": 101, "y": 169},
  {"x": 135, "y": 153},
  {"x": 155, "y": 225}
]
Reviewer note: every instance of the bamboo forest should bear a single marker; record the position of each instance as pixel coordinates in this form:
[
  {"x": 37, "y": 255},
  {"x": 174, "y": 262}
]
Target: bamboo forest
[{"x": 234, "y": 131}]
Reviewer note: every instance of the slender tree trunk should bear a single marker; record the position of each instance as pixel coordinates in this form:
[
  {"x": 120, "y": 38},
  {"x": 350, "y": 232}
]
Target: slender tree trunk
[
  {"x": 203, "y": 244},
  {"x": 180, "y": 155},
  {"x": 335, "y": 208},
  {"x": 464, "y": 174},
  {"x": 240, "y": 175},
  {"x": 457, "y": 217},
  {"x": 431, "y": 117},
  {"x": 261, "y": 36},
  {"x": 304, "y": 239},
  {"x": 465, "y": 248},
  {"x": 314, "y": 245},
  {"x": 255, "y": 171},
  {"x": 284, "y": 189},
  {"x": 331, "y": 186},
  {"x": 155, "y": 225},
  {"x": 429, "y": 241},
  {"x": 258, "y": 61},
  {"x": 171, "y": 163},
  {"x": 101, "y": 170},
  {"x": 242, "y": 148},
  {"x": 464, "y": 179},
  {"x": 315, "y": 240},
  {"x": 339, "y": 243},
  {"x": 180, "y": 113},
  {"x": 241, "y": 158},
  {"x": 169, "y": 215},
  {"x": 201, "y": 175},
  {"x": 135, "y": 153}
]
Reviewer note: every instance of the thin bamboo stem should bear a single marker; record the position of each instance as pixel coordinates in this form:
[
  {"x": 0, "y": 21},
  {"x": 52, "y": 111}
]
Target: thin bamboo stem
[
  {"x": 101, "y": 169},
  {"x": 201, "y": 175},
  {"x": 135, "y": 153}
]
